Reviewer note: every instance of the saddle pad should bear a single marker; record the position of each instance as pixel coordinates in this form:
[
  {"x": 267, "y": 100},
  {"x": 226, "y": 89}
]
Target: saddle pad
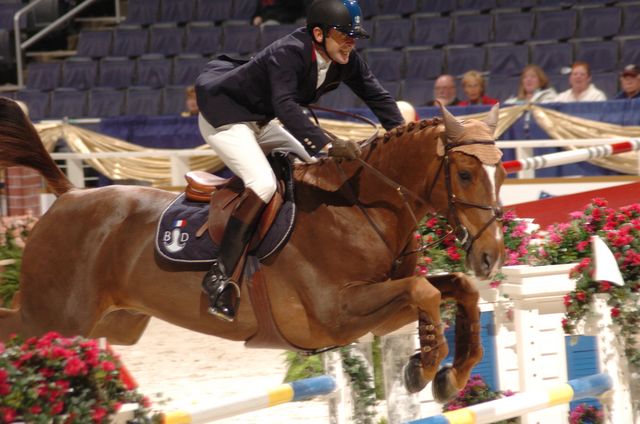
[{"x": 176, "y": 238}]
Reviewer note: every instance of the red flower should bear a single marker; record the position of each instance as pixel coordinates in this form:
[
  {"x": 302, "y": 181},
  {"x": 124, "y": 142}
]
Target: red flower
[
  {"x": 615, "y": 312},
  {"x": 57, "y": 408},
  {"x": 581, "y": 296},
  {"x": 605, "y": 286},
  {"x": 99, "y": 414},
  {"x": 75, "y": 367},
  {"x": 8, "y": 414},
  {"x": 567, "y": 300}
]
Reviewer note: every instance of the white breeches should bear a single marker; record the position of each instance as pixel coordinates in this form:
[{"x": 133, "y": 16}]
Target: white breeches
[{"x": 242, "y": 147}]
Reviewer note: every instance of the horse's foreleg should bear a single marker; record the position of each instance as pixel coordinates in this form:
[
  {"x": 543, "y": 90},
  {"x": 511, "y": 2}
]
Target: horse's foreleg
[{"x": 468, "y": 349}]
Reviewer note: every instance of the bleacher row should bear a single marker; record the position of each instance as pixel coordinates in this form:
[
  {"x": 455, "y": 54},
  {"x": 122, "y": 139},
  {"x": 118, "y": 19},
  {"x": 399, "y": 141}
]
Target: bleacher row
[{"x": 163, "y": 45}]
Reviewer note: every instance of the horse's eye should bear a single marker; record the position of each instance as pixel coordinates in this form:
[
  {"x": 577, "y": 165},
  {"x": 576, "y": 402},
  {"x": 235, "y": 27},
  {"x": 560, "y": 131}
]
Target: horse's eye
[{"x": 464, "y": 175}]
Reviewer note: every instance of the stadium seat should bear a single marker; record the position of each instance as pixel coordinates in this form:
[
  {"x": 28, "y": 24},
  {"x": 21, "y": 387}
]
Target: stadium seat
[
  {"x": 143, "y": 12},
  {"x": 6, "y": 53},
  {"x": 79, "y": 72},
  {"x": 507, "y": 60},
  {"x": 437, "y": 6},
  {"x": 239, "y": 37},
  {"x": 116, "y": 72},
  {"x": 202, "y": 38},
  {"x": 369, "y": 8},
  {"x": 68, "y": 103},
  {"x": 129, "y": 41},
  {"x": 607, "y": 82},
  {"x": 43, "y": 75},
  {"x": 599, "y": 22},
  {"x": 559, "y": 82},
  {"x": 105, "y": 102},
  {"x": 430, "y": 30},
  {"x": 386, "y": 64},
  {"x": 166, "y": 39},
  {"x": 94, "y": 43},
  {"x": 476, "y": 5},
  {"x": 340, "y": 98},
  {"x": 213, "y": 10},
  {"x": 37, "y": 101},
  {"x": 393, "y": 7},
  {"x": 143, "y": 101},
  {"x": 552, "y": 57},
  {"x": 630, "y": 52},
  {"x": 513, "y": 27},
  {"x": 393, "y": 87},
  {"x": 602, "y": 56},
  {"x": 555, "y": 24},
  {"x": 7, "y": 10},
  {"x": 518, "y": 4},
  {"x": 180, "y": 11},
  {"x": 270, "y": 33},
  {"x": 472, "y": 29},
  {"x": 173, "y": 99},
  {"x": 390, "y": 31},
  {"x": 502, "y": 88},
  {"x": 187, "y": 67},
  {"x": 153, "y": 70},
  {"x": 243, "y": 9},
  {"x": 417, "y": 91},
  {"x": 631, "y": 19},
  {"x": 554, "y": 3},
  {"x": 423, "y": 63},
  {"x": 461, "y": 60}
]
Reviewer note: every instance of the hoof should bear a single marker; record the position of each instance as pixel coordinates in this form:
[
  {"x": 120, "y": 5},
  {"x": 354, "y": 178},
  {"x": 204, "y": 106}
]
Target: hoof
[
  {"x": 413, "y": 380},
  {"x": 443, "y": 388}
]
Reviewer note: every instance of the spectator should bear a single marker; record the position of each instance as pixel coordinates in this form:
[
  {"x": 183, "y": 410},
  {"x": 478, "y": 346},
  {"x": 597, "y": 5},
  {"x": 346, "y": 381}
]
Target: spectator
[
  {"x": 473, "y": 85},
  {"x": 582, "y": 90},
  {"x": 190, "y": 102},
  {"x": 273, "y": 12},
  {"x": 444, "y": 90},
  {"x": 629, "y": 82},
  {"x": 534, "y": 87}
]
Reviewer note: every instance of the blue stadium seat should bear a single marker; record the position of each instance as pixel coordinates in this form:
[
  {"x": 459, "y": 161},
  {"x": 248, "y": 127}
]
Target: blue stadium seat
[
  {"x": 393, "y": 87},
  {"x": 153, "y": 70},
  {"x": 461, "y": 60},
  {"x": 243, "y": 9},
  {"x": 507, "y": 60},
  {"x": 476, "y": 4},
  {"x": 551, "y": 57},
  {"x": 202, "y": 38},
  {"x": 7, "y": 10},
  {"x": 518, "y": 4},
  {"x": 130, "y": 41},
  {"x": 6, "y": 53},
  {"x": 270, "y": 33},
  {"x": 599, "y": 22},
  {"x": 392, "y": 7},
  {"x": 213, "y": 10},
  {"x": 143, "y": 12},
  {"x": 369, "y": 8},
  {"x": 180, "y": 11},
  {"x": 430, "y": 30},
  {"x": 116, "y": 72},
  {"x": 37, "y": 101},
  {"x": 94, "y": 43},
  {"x": 513, "y": 27},
  {"x": 437, "y": 6},
  {"x": 502, "y": 88},
  {"x": 390, "y": 31},
  {"x": 105, "y": 102},
  {"x": 631, "y": 19},
  {"x": 43, "y": 75},
  {"x": 607, "y": 82},
  {"x": 187, "y": 67},
  {"x": 559, "y": 82},
  {"x": 630, "y": 52},
  {"x": 386, "y": 64},
  {"x": 340, "y": 98},
  {"x": 166, "y": 38},
  {"x": 79, "y": 72},
  {"x": 554, "y": 3},
  {"x": 555, "y": 24},
  {"x": 602, "y": 56},
  {"x": 239, "y": 37},
  {"x": 423, "y": 63},
  {"x": 364, "y": 43},
  {"x": 68, "y": 102},
  {"x": 417, "y": 91},
  {"x": 143, "y": 101},
  {"x": 472, "y": 29},
  {"x": 173, "y": 99}
]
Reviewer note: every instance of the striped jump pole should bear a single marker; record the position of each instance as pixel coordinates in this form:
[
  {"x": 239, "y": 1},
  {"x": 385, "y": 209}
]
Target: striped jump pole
[
  {"x": 522, "y": 403},
  {"x": 572, "y": 156},
  {"x": 288, "y": 392}
]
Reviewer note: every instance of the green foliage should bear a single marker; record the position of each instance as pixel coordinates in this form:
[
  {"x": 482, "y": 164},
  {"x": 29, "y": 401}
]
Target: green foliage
[
  {"x": 361, "y": 384},
  {"x": 302, "y": 366}
]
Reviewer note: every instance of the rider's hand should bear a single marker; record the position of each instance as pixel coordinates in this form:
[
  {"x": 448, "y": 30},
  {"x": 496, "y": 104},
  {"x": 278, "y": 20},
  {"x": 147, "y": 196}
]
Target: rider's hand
[{"x": 344, "y": 149}]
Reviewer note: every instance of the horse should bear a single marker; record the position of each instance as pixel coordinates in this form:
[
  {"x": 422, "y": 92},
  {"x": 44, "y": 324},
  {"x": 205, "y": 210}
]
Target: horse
[{"x": 89, "y": 267}]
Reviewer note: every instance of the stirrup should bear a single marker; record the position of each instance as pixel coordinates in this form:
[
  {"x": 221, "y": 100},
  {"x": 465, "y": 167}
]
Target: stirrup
[{"x": 226, "y": 312}]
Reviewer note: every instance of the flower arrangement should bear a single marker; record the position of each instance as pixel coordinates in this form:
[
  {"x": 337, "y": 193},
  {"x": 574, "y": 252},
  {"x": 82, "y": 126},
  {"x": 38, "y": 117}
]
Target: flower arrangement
[
  {"x": 586, "y": 414},
  {"x": 476, "y": 391},
  {"x": 53, "y": 379}
]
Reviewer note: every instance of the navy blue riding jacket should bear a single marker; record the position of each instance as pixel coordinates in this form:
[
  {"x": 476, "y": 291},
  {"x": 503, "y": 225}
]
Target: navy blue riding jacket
[{"x": 281, "y": 79}]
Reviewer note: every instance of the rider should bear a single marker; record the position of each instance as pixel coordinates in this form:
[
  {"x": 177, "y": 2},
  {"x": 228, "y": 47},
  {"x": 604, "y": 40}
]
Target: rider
[{"x": 238, "y": 101}]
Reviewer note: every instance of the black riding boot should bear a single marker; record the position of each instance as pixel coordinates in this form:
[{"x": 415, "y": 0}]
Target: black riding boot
[{"x": 223, "y": 293}]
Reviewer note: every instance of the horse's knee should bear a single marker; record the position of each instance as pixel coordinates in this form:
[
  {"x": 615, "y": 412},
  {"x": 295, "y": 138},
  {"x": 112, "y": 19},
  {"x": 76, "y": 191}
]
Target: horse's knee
[{"x": 423, "y": 292}]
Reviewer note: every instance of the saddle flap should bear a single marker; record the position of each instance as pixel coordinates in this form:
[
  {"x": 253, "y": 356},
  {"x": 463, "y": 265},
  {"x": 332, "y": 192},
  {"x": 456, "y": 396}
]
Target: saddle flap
[{"x": 201, "y": 184}]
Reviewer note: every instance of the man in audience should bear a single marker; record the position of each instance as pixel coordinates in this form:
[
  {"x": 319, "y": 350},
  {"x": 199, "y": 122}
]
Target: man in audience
[
  {"x": 444, "y": 90},
  {"x": 630, "y": 83},
  {"x": 582, "y": 90}
]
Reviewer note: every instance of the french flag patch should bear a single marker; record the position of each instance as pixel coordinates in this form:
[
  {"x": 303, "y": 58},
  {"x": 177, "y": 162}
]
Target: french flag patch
[{"x": 179, "y": 223}]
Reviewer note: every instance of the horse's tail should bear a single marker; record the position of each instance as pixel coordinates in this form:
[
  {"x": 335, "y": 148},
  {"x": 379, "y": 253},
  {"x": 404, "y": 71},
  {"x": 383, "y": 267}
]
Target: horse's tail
[{"x": 20, "y": 145}]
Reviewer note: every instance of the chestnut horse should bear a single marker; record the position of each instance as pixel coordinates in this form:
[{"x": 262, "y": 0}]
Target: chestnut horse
[{"x": 89, "y": 267}]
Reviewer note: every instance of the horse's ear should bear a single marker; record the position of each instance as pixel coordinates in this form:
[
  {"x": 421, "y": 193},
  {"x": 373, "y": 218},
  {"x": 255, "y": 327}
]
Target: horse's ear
[
  {"x": 452, "y": 127},
  {"x": 492, "y": 118}
]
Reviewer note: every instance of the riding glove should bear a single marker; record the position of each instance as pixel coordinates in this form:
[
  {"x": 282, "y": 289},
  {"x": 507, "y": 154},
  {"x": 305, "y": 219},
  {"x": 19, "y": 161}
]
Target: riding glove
[{"x": 344, "y": 149}]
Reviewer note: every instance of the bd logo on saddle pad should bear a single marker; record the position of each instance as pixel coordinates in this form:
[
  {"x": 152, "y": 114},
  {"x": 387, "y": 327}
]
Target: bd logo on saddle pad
[{"x": 175, "y": 240}]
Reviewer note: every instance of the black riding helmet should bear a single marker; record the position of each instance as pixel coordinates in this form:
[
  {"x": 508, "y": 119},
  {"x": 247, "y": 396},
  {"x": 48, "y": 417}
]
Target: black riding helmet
[{"x": 342, "y": 15}]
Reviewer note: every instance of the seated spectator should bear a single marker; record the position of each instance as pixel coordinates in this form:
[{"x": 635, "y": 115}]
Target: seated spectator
[
  {"x": 273, "y": 12},
  {"x": 473, "y": 85},
  {"x": 534, "y": 87},
  {"x": 444, "y": 90},
  {"x": 629, "y": 82},
  {"x": 190, "y": 103},
  {"x": 582, "y": 90}
]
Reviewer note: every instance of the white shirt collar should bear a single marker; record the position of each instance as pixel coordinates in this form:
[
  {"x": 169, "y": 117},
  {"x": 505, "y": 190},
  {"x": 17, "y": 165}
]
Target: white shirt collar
[{"x": 323, "y": 67}]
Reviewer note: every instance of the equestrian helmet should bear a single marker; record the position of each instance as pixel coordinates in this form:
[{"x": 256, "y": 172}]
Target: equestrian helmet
[{"x": 342, "y": 15}]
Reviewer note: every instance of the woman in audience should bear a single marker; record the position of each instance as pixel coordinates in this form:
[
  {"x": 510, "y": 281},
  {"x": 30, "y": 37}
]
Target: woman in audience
[
  {"x": 534, "y": 87},
  {"x": 582, "y": 90},
  {"x": 473, "y": 85}
]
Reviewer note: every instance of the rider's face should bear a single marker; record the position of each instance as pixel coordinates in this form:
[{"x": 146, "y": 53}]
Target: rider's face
[{"x": 339, "y": 46}]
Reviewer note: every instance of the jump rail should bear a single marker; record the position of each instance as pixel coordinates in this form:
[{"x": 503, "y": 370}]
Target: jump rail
[
  {"x": 295, "y": 391},
  {"x": 521, "y": 403}
]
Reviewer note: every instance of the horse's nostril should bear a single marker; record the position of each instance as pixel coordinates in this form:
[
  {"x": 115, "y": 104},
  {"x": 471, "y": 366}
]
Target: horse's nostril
[{"x": 487, "y": 262}]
